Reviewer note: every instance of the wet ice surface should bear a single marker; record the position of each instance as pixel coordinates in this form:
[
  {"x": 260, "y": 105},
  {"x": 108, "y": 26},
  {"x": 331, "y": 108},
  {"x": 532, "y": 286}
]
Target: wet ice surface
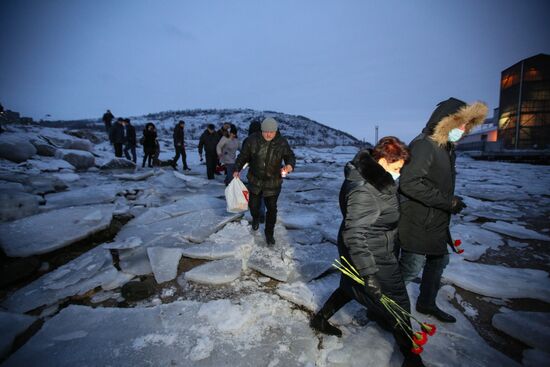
[{"x": 183, "y": 216}]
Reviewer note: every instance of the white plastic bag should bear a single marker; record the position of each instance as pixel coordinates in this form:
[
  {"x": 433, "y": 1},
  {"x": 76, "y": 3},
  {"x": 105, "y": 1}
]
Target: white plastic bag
[{"x": 236, "y": 196}]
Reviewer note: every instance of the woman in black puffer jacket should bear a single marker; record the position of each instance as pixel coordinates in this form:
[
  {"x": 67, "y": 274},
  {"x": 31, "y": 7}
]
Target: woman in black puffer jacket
[
  {"x": 369, "y": 205},
  {"x": 149, "y": 143}
]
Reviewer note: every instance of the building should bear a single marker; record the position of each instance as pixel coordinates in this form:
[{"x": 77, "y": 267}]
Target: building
[
  {"x": 524, "y": 107},
  {"x": 482, "y": 137}
]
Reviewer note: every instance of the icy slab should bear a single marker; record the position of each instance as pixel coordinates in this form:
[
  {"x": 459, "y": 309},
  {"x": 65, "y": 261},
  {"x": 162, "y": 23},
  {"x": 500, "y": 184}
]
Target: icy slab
[
  {"x": 475, "y": 240},
  {"x": 80, "y": 159},
  {"x": 535, "y": 358},
  {"x": 99, "y": 194},
  {"x": 311, "y": 295},
  {"x": 303, "y": 220},
  {"x": 485, "y": 209},
  {"x": 498, "y": 281},
  {"x": 192, "y": 226},
  {"x": 42, "y": 233},
  {"x": 313, "y": 260},
  {"x": 52, "y": 165},
  {"x": 135, "y": 261},
  {"x": 216, "y": 272},
  {"x": 304, "y": 175},
  {"x": 497, "y": 192},
  {"x": 192, "y": 181},
  {"x": 12, "y": 325},
  {"x": 259, "y": 330},
  {"x": 67, "y": 177},
  {"x": 212, "y": 251},
  {"x": 532, "y": 328},
  {"x": 17, "y": 204},
  {"x": 16, "y": 147},
  {"x": 120, "y": 279},
  {"x": 44, "y": 184},
  {"x": 271, "y": 262},
  {"x": 118, "y": 163},
  {"x": 128, "y": 243},
  {"x": 139, "y": 176},
  {"x": 515, "y": 230},
  {"x": 89, "y": 270},
  {"x": 164, "y": 262}
]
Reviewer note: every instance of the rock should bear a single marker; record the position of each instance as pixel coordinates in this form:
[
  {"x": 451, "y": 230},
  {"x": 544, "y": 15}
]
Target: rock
[
  {"x": 84, "y": 134},
  {"x": 15, "y": 147},
  {"x": 17, "y": 269},
  {"x": 118, "y": 163},
  {"x": 78, "y": 144},
  {"x": 136, "y": 291},
  {"x": 45, "y": 184},
  {"x": 17, "y": 204},
  {"x": 78, "y": 158}
]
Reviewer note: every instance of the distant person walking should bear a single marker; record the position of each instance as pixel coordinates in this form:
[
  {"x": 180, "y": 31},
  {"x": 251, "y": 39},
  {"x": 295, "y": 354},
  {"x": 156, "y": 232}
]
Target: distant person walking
[
  {"x": 427, "y": 185},
  {"x": 208, "y": 142},
  {"x": 130, "y": 141},
  {"x": 107, "y": 120},
  {"x": 118, "y": 136},
  {"x": 227, "y": 152},
  {"x": 149, "y": 140},
  {"x": 179, "y": 146},
  {"x": 265, "y": 153}
]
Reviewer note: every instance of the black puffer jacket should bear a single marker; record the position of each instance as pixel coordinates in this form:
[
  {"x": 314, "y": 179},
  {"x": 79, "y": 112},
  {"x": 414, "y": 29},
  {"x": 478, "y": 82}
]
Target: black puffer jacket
[
  {"x": 427, "y": 181},
  {"x": 179, "y": 136},
  {"x": 265, "y": 159},
  {"x": 208, "y": 141},
  {"x": 117, "y": 134},
  {"x": 149, "y": 141},
  {"x": 131, "y": 135},
  {"x": 369, "y": 205}
]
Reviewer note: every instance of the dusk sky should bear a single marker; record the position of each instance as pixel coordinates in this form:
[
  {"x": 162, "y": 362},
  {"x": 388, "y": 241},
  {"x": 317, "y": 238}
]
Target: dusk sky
[{"x": 348, "y": 64}]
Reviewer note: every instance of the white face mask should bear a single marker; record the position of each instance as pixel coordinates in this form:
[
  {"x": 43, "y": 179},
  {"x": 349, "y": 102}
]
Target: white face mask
[
  {"x": 455, "y": 135},
  {"x": 395, "y": 175}
]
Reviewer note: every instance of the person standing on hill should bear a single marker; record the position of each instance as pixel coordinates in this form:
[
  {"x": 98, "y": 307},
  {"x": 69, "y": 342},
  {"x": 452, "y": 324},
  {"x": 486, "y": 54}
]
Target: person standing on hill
[
  {"x": 227, "y": 152},
  {"x": 149, "y": 144},
  {"x": 130, "y": 141},
  {"x": 265, "y": 153},
  {"x": 118, "y": 136},
  {"x": 208, "y": 141},
  {"x": 107, "y": 120},
  {"x": 427, "y": 186},
  {"x": 179, "y": 146}
]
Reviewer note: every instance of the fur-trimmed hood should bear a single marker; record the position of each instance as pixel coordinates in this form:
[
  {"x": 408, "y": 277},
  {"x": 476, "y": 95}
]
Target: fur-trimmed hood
[
  {"x": 364, "y": 167},
  {"x": 452, "y": 113}
]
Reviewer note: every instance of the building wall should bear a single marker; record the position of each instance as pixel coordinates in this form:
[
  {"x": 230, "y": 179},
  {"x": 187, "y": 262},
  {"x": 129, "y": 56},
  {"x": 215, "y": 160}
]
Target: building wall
[{"x": 525, "y": 97}]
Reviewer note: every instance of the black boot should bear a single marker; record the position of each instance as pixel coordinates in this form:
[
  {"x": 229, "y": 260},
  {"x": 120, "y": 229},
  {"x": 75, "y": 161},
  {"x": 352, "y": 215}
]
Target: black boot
[
  {"x": 255, "y": 224},
  {"x": 436, "y": 312},
  {"x": 412, "y": 360},
  {"x": 269, "y": 238},
  {"x": 319, "y": 323}
]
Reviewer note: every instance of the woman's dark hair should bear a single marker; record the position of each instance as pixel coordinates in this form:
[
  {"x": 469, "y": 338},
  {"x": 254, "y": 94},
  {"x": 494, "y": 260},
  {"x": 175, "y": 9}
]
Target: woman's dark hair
[{"x": 392, "y": 149}]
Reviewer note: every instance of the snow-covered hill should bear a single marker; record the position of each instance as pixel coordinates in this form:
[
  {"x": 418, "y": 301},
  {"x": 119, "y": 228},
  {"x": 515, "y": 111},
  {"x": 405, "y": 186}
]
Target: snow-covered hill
[{"x": 299, "y": 130}]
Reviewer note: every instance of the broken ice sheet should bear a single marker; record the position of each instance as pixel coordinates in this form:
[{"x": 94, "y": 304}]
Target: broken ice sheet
[
  {"x": 216, "y": 272},
  {"x": 164, "y": 262}
]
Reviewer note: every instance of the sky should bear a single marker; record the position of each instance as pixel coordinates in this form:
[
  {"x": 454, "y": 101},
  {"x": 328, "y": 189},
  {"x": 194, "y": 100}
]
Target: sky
[{"x": 349, "y": 64}]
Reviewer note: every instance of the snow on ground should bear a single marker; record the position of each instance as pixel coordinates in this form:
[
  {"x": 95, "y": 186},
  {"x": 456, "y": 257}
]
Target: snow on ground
[{"x": 259, "y": 298}]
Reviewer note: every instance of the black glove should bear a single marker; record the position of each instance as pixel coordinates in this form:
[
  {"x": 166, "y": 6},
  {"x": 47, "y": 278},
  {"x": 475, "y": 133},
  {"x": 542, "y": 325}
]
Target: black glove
[
  {"x": 372, "y": 286},
  {"x": 457, "y": 205}
]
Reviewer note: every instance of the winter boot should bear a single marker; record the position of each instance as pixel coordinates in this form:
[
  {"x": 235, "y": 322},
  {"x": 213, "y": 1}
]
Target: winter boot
[
  {"x": 269, "y": 239},
  {"x": 319, "y": 323},
  {"x": 255, "y": 224}
]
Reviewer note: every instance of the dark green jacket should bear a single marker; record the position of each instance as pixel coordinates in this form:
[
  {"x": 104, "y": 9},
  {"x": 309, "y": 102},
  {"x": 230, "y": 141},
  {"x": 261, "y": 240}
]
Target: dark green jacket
[{"x": 265, "y": 159}]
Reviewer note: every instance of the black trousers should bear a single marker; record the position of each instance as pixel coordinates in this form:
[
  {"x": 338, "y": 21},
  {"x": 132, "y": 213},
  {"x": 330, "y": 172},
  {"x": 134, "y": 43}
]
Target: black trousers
[
  {"x": 211, "y": 162},
  {"x": 118, "y": 149},
  {"x": 392, "y": 286},
  {"x": 131, "y": 148},
  {"x": 180, "y": 150},
  {"x": 254, "y": 203}
]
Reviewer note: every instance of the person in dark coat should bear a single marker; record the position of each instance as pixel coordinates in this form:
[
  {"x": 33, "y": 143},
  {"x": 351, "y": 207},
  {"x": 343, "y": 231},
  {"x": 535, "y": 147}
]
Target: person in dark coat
[
  {"x": 427, "y": 187},
  {"x": 265, "y": 153},
  {"x": 179, "y": 146},
  {"x": 118, "y": 136},
  {"x": 107, "y": 120},
  {"x": 370, "y": 210},
  {"x": 130, "y": 141},
  {"x": 208, "y": 141},
  {"x": 149, "y": 144},
  {"x": 256, "y": 127}
]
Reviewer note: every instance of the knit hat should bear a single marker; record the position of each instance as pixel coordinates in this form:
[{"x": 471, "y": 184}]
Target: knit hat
[{"x": 269, "y": 124}]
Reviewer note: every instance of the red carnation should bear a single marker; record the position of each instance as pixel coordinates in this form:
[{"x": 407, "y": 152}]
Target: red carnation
[
  {"x": 459, "y": 251},
  {"x": 458, "y": 243},
  {"x": 420, "y": 338},
  {"x": 428, "y": 328},
  {"x": 417, "y": 349}
]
